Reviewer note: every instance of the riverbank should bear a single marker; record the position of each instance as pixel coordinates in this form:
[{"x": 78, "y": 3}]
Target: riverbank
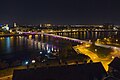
[{"x": 9, "y": 35}]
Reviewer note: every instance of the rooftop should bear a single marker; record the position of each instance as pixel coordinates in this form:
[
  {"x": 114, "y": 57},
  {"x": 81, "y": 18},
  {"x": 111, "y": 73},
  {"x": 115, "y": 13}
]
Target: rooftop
[{"x": 89, "y": 71}]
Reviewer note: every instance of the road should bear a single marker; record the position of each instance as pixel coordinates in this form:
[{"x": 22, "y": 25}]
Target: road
[
  {"x": 6, "y": 77},
  {"x": 81, "y": 49}
]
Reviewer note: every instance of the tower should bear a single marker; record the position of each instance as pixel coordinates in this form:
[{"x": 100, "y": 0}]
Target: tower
[{"x": 15, "y": 25}]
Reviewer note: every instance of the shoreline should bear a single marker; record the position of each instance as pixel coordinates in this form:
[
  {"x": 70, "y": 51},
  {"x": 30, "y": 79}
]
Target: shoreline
[{"x": 9, "y": 35}]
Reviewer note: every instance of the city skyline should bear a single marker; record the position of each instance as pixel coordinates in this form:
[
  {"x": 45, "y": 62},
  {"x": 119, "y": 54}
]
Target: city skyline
[
  {"x": 59, "y": 40},
  {"x": 60, "y": 12}
]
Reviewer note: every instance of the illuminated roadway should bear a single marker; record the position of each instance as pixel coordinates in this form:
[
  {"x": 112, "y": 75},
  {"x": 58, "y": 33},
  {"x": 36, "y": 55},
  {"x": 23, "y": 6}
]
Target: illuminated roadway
[
  {"x": 82, "y": 50},
  {"x": 57, "y": 36},
  {"x": 6, "y": 77}
]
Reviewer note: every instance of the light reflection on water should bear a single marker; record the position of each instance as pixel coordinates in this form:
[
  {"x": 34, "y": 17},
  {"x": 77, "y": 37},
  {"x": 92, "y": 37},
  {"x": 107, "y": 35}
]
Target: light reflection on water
[
  {"x": 8, "y": 44},
  {"x": 21, "y": 44}
]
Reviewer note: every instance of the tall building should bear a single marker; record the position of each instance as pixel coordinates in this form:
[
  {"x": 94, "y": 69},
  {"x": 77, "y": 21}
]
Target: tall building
[{"x": 15, "y": 25}]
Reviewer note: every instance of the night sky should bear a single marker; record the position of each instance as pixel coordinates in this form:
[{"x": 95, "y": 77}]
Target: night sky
[{"x": 60, "y": 11}]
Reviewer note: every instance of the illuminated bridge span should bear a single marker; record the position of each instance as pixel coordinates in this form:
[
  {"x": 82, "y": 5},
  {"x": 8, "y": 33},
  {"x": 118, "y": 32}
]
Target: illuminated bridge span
[
  {"x": 67, "y": 38},
  {"x": 57, "y": 36}
]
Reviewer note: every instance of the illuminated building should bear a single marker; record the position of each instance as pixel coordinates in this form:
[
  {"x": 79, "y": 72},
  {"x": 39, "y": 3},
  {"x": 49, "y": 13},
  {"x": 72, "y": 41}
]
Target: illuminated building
[
  {"x": 40, "y": 25},
  {"x": 47, "y": 25},
  {"x": 108, "y": 26},
  {"x": 15, "y": 25},
  {"x": 6, "y": 27}
]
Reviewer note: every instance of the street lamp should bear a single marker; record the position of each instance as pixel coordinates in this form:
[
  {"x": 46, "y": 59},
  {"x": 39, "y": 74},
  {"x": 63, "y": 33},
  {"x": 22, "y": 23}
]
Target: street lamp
[
  {"x": 105, "y": 38},
  {"x": 89, "y": 41},
  {"x": 96, "y": 50},
  {"x": 33, "y": 61},
  {"x": 115, "y": 47},
  {"x": 112, "y": 57},
  {"x": 116, "y": 40},
  {"x": 40, "y": 52},
  {"x": 26, "y": 62}
]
